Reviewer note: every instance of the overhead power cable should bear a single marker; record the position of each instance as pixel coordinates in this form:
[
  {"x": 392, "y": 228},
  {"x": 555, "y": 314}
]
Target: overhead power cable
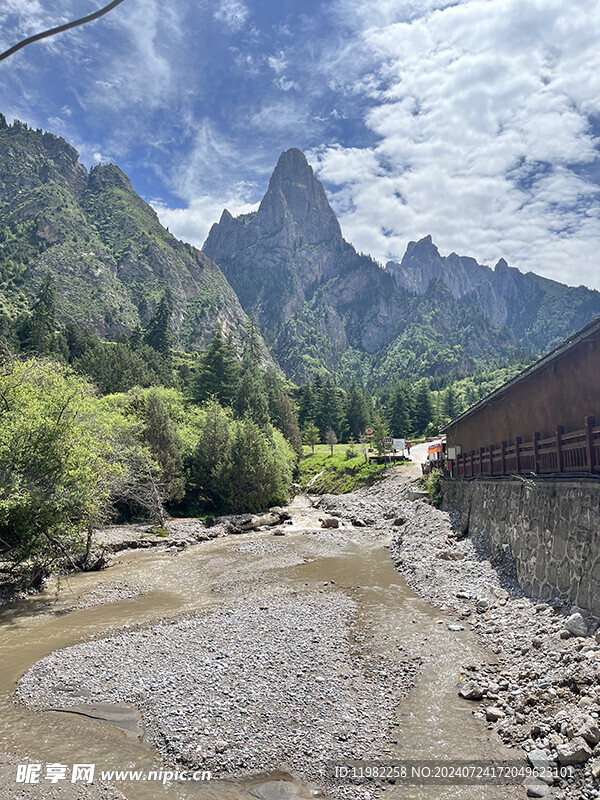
[{"x": 59, "y": 29}]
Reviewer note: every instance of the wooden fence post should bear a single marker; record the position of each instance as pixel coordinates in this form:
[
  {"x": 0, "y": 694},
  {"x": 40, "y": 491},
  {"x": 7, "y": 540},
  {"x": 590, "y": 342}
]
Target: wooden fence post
[
  {"x": 504, "y": 458},
  {"x": 481, "y": 460},
  {"x": 472, "y": 463},
  {"x": 536, "y": 438},
  {"x": 518, "y": 441},
  {"x": 491, "y": 459},
  {"x": 559, "y": 453},
  {"x": 589, "y": 442}
]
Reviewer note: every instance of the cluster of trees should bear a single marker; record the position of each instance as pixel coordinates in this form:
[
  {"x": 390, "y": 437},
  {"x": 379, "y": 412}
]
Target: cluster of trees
[
  {"x": 327, "y": 413},
  {"x": 93, "y": 431},
  {"x": 70, "y": 459}
]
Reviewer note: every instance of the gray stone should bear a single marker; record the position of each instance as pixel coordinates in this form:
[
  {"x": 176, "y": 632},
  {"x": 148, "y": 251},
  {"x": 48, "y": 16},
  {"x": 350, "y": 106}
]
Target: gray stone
[
  {"x": 221, "y": 746},
  {"x": 537, "y": 788},
  {"x": 576, "y": 625},
  {"x": 330, "y": 522},
  {"x": 275, "y": 790},
  {"x": 471, "y": 691},
  {"x": 576, "y": 751},
  {"x": 540, "y": 761},
  {"x": 590, "y": 731},
  {"x": 454, "y": 627},
  {"x": 451, "y": 555},
  {"x": 493, "y": 714}
]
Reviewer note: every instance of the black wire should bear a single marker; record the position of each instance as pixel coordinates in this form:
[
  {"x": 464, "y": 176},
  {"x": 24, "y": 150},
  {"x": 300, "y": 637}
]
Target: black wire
[{"x": 59, "y": 29}]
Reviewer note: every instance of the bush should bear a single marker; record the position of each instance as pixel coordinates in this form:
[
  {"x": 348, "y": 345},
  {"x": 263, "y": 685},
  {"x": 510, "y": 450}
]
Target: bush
[
  {"x": 59, "y": 461},
  {"x": 432, "y": 484}
]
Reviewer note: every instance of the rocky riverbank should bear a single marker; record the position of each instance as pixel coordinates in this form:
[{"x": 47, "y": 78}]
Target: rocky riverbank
[
  {"x": 542, "y": 693},
  {"x": 110, "y": 541}
]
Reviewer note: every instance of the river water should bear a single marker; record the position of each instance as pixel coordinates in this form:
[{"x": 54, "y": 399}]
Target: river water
[{"x": 432, "y": 722}]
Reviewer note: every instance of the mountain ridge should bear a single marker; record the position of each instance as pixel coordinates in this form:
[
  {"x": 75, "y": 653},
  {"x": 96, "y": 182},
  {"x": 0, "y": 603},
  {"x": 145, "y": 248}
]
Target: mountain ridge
[
  {"x": 110, "y": 258},
  {"x": 320, "y": 304},
  {"x": 507, "y": 296}
]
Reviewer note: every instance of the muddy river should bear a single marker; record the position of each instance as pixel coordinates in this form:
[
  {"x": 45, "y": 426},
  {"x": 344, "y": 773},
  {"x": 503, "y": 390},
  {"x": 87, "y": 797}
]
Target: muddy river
[{"x": 432, "y": 721}]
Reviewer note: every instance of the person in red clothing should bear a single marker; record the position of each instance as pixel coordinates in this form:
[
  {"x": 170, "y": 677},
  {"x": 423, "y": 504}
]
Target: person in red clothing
[{"x": 408, "y": 446}]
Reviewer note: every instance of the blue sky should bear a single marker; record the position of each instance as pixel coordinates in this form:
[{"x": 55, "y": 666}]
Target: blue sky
[{"x": 477, "y": 121}]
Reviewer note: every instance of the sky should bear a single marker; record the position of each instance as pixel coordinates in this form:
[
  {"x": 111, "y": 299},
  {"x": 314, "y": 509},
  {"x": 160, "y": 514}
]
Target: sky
[{"x": 475, "y": 121}]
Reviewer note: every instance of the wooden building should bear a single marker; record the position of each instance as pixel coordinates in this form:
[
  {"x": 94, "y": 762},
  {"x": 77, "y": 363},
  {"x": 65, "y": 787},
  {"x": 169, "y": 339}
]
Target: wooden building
[{"x": 543, "y": 420}]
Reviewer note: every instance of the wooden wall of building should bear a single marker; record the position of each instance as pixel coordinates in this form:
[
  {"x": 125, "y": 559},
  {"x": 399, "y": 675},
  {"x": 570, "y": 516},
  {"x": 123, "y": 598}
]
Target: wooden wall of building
[{"x": 562, "y": 392}]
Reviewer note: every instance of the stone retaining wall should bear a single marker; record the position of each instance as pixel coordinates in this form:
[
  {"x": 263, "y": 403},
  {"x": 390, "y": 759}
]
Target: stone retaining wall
[{"x": 551, "y": 527}]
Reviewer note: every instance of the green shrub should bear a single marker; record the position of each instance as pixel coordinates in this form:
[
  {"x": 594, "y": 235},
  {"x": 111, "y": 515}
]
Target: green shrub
[{"x": 432, "y": 484}]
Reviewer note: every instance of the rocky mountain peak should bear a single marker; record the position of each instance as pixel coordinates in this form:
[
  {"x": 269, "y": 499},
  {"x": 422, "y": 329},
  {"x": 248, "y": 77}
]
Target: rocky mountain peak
[
  {"x": 296, "y": 197},
  {"x": 421, "y": 251}
]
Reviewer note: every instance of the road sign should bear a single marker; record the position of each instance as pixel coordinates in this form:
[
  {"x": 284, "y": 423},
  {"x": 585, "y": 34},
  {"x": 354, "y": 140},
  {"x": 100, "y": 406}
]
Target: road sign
[
  {"x": 399, "y": 444},
  {"x": 388, "y": 441}
]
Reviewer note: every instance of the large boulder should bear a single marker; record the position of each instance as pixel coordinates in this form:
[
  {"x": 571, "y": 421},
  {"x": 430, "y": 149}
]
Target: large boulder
[
  {"x": 576, "y": 625},
  {"x": 576, "y": 751}
]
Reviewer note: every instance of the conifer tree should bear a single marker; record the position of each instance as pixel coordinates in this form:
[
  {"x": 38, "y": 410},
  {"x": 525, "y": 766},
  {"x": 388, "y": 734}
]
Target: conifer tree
[
  {"x": 311, "y": 435},
  {"x": 306, "y": 405},
  {"x": 329, "y": 410},
  {"x": 281, "y": 411},
  {"x": 400, "y": 410},
  {"x": 380, "y": 432},
  {"x": 252, "y": 399},
  {"x": 38, "y": 330},
  {"x": 356, "y": 411},
  {"x": 424, "y": 409},
  {"x": 218, "y": 372},
  {"x": 157, "y": 332},
  {"x": 450, "y": 403},
  {"x": 210, "y": 456}
]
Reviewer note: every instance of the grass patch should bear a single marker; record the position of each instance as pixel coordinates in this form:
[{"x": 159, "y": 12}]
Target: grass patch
[{"x": 340, "y": 474}]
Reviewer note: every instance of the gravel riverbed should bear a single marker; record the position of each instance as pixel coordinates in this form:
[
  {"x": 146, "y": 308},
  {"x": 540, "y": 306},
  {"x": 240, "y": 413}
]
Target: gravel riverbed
[{"x": 279, "y": 682}]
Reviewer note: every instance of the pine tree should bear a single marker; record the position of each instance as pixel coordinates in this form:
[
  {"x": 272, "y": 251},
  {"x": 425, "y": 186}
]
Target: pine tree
[
  {"x": 251, "y": 399},
  {"x": 450, "y": 405},
  {"x": 356, "y": 411},
  {"x": 380, "y": 432},
  {"x": 329, "y": 410},
  {"x": 210, "y": 456},
  {"x": 218, "y": 372},
  {"x": 306, "y": 405},
  {"x": 157, "y": 331},
  {"x": 400, "y": 411},
  {"x": 424, "y": 409},
  {"x": 311, "y": 436},
  {"x": 281, "y": 411},
  {"x": 37, "y": 332}
]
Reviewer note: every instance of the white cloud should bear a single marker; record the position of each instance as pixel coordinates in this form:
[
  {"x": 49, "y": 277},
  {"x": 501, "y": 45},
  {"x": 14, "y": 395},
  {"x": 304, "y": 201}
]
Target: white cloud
[
  {"x": 278, "y": 63},
  {"x": 232, "y": 13},
  {"x": 483, "y": 113}
]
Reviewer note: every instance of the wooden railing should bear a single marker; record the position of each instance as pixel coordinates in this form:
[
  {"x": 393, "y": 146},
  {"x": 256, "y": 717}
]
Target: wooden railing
[{"x": 577, "y": 451}]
